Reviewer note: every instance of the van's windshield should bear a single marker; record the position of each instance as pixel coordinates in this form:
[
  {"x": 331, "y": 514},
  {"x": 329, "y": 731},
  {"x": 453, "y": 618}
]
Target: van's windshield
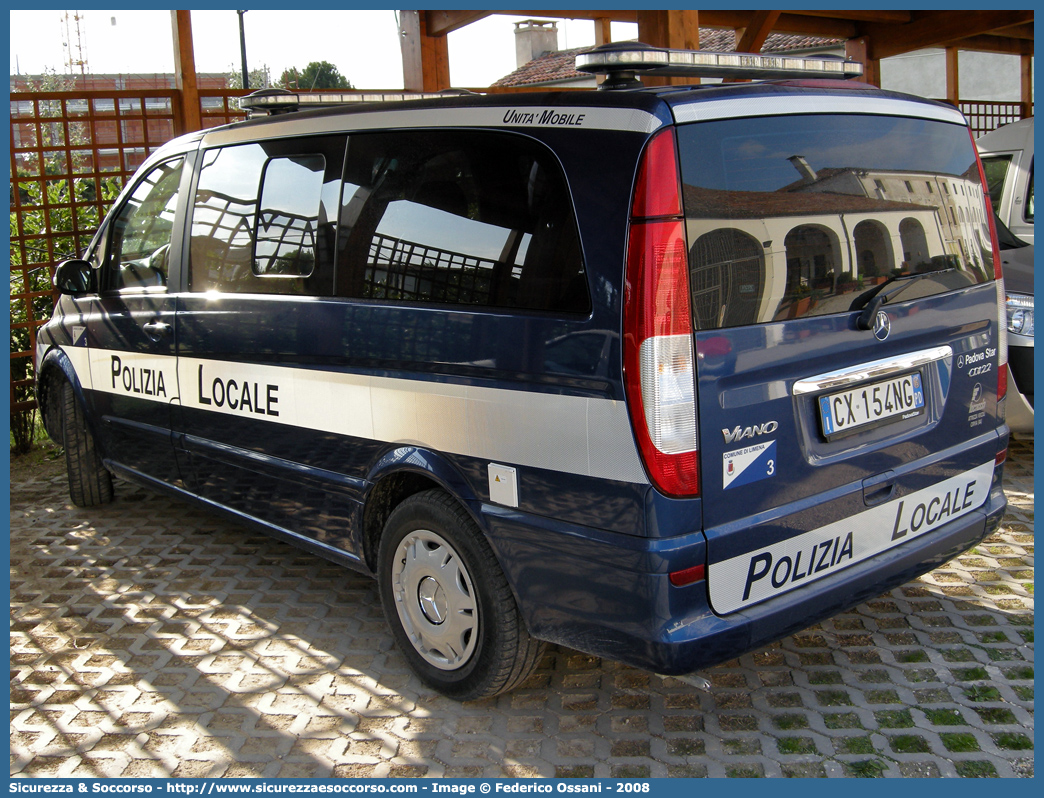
[{"x": 795, "y": 216}]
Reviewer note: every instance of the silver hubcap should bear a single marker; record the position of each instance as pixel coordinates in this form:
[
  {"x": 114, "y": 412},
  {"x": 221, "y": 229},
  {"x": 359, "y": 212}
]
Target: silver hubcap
[{"x": 435, "y": 599}]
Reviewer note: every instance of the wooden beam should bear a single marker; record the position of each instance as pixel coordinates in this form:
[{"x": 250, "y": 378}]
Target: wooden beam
[
  {"x": 953, "y": 83},
  {"x": 190, "y": 118},
  {"x": 603, "y": 31},
  {"x": 616, "y": 15},
  {"x": 442, "y": 22},
  {"x": 757, "y": 30},
  {"x": 993, "y": 44},
  {"x": 934, "y": 28},
  {"x": 1024, "y": 31},
  {"x": 787, "y": 23},
  {"x": 883, "y": 15}
]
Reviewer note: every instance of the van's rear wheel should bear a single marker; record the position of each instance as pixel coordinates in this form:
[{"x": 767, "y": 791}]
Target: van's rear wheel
[
  {"x": 90, "y": 483},
  {"x": 449, "y": 604}
]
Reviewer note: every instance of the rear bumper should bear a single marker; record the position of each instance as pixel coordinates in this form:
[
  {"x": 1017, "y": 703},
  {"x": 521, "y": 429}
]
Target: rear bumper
[{"x": 608, "y": 606}]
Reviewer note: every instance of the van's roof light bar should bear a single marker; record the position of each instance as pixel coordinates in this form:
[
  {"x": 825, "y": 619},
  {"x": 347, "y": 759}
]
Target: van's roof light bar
[
  {"x": 620, "y": 61},
  {"x": 278, "y": 101}
]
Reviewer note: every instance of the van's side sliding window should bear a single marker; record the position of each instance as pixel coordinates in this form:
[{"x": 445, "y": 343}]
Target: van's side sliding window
[
  {"x": 458, "y": 218},
  {"x": 264, "y": 217}
]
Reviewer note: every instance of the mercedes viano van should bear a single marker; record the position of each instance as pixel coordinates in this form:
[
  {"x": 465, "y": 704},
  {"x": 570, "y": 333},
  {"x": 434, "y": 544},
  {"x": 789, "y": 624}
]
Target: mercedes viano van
[{"x": 659, "y": 374}]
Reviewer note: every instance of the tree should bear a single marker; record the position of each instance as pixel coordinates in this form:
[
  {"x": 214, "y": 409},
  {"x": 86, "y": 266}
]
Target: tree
[
  {"x": 317, "y": 75},
  {"x": 259, "y": 78}
]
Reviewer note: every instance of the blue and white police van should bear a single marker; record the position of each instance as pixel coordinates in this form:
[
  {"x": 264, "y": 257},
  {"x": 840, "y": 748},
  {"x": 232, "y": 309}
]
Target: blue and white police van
[{"x": 659, "y": 374}]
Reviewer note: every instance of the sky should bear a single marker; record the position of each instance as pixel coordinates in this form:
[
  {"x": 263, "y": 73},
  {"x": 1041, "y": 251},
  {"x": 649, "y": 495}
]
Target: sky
[{"x": 363, "y": 45}]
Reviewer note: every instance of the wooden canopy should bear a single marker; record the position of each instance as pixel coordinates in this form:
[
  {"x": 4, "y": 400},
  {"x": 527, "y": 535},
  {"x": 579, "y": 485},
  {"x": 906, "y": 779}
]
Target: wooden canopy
[{"x": 871, "y": 35}]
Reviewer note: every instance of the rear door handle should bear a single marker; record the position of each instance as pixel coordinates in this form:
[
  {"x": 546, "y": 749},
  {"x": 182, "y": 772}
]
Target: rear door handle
[
  {"x": 156, "y": 330},
  {"x": 879, "y": 489}
]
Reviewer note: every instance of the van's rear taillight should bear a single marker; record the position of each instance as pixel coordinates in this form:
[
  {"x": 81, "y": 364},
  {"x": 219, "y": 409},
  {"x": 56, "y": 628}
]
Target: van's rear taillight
[{"x": 659, "y": 361}]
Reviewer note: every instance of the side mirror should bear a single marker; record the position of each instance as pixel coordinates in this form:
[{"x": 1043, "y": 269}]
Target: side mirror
[{"x": 73, "y": 277}]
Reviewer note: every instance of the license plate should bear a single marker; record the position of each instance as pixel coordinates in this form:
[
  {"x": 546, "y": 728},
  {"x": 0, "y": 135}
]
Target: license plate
[{"x": 878, "y": 403}]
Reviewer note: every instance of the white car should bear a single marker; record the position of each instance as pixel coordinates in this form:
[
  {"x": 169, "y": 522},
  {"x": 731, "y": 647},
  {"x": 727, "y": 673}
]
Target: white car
[
  {"x": 1017, "y": 263},
  {"x": 1007, "y": 159}
]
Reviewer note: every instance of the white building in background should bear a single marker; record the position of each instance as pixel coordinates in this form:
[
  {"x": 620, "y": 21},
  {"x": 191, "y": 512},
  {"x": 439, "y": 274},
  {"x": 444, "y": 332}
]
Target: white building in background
[{"x": 993, "y": 77}]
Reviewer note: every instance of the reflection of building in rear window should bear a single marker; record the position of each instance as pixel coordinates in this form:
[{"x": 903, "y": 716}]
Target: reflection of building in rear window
[
  {"x": 811, "y": 256},
  {"x": 873, "y": 250}
]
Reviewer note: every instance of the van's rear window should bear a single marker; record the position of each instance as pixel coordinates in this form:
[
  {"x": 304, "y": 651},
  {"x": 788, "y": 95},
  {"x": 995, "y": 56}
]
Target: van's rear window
[{"x": 797, "y": 216}]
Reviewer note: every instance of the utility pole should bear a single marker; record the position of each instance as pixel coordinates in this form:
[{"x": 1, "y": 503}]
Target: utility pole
[{"x": 242, "y": 48}]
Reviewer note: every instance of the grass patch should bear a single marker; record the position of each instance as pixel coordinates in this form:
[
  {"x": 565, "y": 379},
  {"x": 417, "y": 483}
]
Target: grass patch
[
  {"x": 894, "y": 718},
  {"x": 1013, "y": 741},
  {"x": 882, "y": 697},
  {"x": 971, "y": 674},
  {"x": 842, "y": 720},
  {"x": 824, "y": 677},
  {"x": 993, "y": 637},
  {"x": 996, "y": 716},
  {"x": 854, "y": 745},
  {"x": 959, "y": 742},
  {"x": 922, "y": 675},
  {"x": 945, "y": 717},
  {"x": 982, "y": 692},
  {"x": 976, "y": 770},
  {"x": 834, "y": 698},
  {"x": 745, "y": 772},
  {"x": 804, "y": 770},
  {"x": 791, "y": 721},
  {"x": 796, "y": 745},
  {"x": 741, "y": 746},
  {"x": 1003, "y": 654},
  {"x": 867, "y": 769},
  {"x": 909, "y": 744},
  {"x": 1019, "y": 672}
]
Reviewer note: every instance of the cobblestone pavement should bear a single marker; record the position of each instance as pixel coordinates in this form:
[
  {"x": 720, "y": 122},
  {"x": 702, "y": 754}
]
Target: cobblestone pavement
[{"x": 149, "y": 638}]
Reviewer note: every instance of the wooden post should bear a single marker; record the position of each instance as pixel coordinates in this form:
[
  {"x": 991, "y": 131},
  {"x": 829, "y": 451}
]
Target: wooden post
[
  {"x": 603, "y": 30},
  {"x": 1026, "y": 68},
  {"x": 676, "y": 29},
  {"x": 190, "y": 117},
  {"x": 953, "y": 82},
  {"x": 859, "y": 50},
  {"x": 425, "y": 59}
]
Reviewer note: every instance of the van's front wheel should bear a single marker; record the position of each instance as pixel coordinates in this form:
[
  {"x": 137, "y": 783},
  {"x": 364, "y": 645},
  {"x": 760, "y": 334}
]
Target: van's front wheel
[
  {"x": 449, "y": 604},
  {"x": 90, "y": 483}
]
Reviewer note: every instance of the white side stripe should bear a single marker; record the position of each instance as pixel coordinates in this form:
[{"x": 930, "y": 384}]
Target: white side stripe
[
  {"x": 509, "y": 117},
  {"x": 765, "y": 573},
  {"x": 790, "y": 104},
  {"x": 572, "y": 434}
]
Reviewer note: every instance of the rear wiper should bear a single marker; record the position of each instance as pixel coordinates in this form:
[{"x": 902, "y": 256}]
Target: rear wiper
[{"x": 871, "y": 301}]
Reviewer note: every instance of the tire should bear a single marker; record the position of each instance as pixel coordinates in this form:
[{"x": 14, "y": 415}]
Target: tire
[
  {"x": 90, "y": 483},
  {"x": 448, "y": 603}
]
